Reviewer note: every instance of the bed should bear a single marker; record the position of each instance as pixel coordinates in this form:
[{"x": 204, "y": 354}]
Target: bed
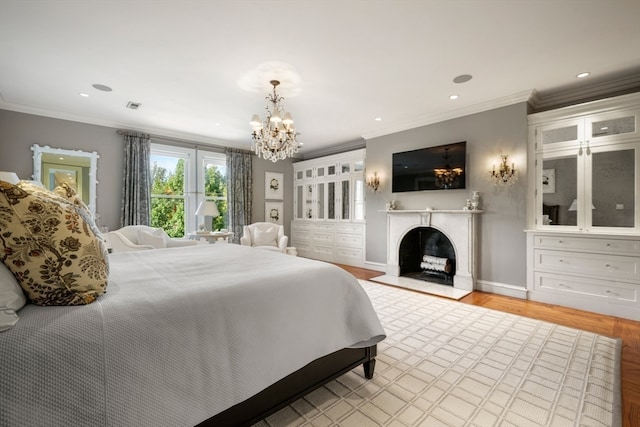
[{"x": 204, "y": 335}]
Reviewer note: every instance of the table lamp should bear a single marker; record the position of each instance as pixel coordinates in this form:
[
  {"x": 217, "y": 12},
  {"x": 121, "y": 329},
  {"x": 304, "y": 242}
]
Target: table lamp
[
  {"x": 9, "y": 177},
  {"x": 207, "y": 208}
]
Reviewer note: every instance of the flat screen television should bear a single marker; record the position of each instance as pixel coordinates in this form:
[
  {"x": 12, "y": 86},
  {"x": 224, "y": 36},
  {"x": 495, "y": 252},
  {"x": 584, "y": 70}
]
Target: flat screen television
[{"x": 433, "y": 168}]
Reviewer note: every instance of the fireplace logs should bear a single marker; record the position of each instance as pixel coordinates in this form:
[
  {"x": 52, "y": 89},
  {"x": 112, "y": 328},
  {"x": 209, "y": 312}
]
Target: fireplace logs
[{"x": 435, "y": 264}]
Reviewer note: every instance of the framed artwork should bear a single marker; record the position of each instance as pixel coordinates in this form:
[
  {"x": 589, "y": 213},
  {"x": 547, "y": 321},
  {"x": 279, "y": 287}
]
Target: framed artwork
[
  {"x": 273, "y": 185},
  {"x": 548, "y": 181},
  {"x": 273, "y": 212}
]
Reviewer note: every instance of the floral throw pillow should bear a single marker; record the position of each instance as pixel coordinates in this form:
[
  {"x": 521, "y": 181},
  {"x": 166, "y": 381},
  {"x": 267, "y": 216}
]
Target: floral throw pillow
[{"x": 51, "y": 246}]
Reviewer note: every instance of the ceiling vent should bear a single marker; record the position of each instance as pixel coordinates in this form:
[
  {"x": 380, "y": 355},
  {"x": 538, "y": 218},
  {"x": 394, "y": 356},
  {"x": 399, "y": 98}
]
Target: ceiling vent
[{"x": 133, "y": 105}]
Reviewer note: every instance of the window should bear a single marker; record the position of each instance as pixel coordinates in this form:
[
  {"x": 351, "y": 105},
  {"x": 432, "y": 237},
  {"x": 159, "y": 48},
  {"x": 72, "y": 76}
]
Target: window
[
  {"x": 180, "y": 179},
  {"x": 212, "y": 173}
]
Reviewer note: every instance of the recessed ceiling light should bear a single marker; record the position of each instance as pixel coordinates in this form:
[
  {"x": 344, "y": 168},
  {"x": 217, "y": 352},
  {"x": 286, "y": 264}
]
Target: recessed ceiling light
[
  {"x": 378, "y": 119},
  {"x": 84, "y": 95},
  {"x": 217, "y": 124},
  {"x": 462, "y": 78},
  {"x": 452, "y": 97},
  {"x": 103, "y": 88},
  {"x": 582, "y": 75}
]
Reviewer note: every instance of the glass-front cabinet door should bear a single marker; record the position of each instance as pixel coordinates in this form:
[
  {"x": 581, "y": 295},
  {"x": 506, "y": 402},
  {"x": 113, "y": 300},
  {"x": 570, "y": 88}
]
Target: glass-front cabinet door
[
  {"x": 345, "y": 198},
  {"x": 589, "y": 189},
  {"x": 321, "y": 200},
  {"x": 603, "y": 128},
  {"x": 559, "y": 135},
  {"x": 613, "y": 181},
  {"x": 299, "y": 201},
  {"x": 558, "y": 190},
  {"x": 309, "y": 201},
  {"x": 358, "y": 199},
  {"x": 331, "y": 200}
]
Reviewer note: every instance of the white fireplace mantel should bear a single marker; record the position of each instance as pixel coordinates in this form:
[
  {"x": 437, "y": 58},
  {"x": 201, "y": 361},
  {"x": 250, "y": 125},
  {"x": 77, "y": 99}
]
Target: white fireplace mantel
[{"x": 458, "y": 225}]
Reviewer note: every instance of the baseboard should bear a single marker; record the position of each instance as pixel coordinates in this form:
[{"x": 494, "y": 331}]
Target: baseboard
[
  {"x": 501, "y": 289},
  {"x": 376, "y": 266}
]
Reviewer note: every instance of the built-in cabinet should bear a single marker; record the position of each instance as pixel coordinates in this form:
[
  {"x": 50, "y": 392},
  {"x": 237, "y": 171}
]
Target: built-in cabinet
[
  {"x": 329, "y": 208},
  {"x": 583, "y": 242}
]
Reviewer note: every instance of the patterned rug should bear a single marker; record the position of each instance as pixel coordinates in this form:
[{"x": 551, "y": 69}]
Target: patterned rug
[{"x": 446, "y": 363}]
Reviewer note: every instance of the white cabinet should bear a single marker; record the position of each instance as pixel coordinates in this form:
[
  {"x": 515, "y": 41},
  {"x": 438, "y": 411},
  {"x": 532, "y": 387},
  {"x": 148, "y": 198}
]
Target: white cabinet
[
  {"x": 583, "y": 243},
  {"x": 329, "y": 208},
  {"x": 586, "y": 161},
  {"x": 594, "y": 273}
]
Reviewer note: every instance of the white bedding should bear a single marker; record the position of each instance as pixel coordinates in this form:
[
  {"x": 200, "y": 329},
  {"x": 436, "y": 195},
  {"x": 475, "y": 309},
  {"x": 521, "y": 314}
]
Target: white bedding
[{"x": 180, "y": 335}]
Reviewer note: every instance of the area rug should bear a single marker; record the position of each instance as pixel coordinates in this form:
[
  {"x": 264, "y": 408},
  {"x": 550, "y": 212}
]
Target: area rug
[{"x": 445, "y": 363}]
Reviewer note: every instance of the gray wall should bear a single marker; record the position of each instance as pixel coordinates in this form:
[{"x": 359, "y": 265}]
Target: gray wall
[
  {"x": 259, "y": 167},
  {"x": 19, "y": 131},
  {"x": 502, "y": 241}
]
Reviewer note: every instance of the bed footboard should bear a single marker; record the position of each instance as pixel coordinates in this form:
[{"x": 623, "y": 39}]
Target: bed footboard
[{"x": 294, "y": 386}]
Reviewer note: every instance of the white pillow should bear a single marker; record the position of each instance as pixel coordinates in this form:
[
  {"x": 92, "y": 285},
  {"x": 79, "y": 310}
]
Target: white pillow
[
  {"x": 155, "y": 238},
  {"x": 265, "y": 237},
  {"x": 12, "y": 298}
]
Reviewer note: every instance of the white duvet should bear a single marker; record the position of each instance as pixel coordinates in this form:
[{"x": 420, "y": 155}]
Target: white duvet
[{"x": 180, "y": 335}]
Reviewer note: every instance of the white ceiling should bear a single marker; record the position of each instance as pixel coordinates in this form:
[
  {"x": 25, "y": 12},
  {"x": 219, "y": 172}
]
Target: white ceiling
[{"x": 356, "y": 60}]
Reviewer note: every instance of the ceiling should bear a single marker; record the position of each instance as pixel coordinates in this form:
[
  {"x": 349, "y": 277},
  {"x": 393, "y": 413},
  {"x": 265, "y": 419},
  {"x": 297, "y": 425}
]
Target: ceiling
[{"x": 197, "y": 67}]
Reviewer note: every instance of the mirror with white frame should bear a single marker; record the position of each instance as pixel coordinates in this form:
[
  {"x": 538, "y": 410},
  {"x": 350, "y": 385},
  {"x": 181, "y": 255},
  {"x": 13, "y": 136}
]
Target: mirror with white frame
[{"x": 53, "y": 166}]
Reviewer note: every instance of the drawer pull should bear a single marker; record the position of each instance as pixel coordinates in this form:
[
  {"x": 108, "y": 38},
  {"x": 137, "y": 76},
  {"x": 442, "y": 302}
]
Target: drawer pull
[
  {"x": 560, "y": 260},
  {"x": 608, "y": 245},
  {"x": 608, "y": 265},
  {"x": 608, "y": 291},
  {"x": 560, "y": 242}
]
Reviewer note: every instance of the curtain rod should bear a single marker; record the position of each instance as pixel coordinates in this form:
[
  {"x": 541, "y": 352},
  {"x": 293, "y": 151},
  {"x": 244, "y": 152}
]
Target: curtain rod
[
  {"x": 176, "y": 141},
  {"x": 126, "y": 132}
]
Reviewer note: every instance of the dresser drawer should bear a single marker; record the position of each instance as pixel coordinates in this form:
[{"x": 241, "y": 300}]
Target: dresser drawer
[
  {"x": 605, "y": 245},
  {"x": 323, "y": 228},
  {"x": 326, "y": 238},
  {"x": 349, "y": 228},
  {"x": 605, "y": 290},
  {"x": 604, "y": 266},
  {"x": 301, "y": 235},
  {"x": 350, "y": 240},
  {"x": 352, "y": 253},
  {"x": 324, "y": 253}
]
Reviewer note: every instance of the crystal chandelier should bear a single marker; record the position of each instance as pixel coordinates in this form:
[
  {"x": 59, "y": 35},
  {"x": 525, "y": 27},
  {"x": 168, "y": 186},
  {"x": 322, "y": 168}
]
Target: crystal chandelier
[
  {"x": 447, "y": 177},
  {"x": 275, "y": 138}
]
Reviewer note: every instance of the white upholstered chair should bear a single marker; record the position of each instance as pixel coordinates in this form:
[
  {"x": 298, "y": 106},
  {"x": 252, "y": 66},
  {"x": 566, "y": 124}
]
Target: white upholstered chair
[
  {"x": 264, "y": 235},
  {"x": 142, "y": 237}
]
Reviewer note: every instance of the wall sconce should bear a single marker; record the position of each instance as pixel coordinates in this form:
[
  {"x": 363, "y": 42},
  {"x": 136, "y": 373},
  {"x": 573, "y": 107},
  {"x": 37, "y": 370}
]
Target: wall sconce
[
  {"x": 505, "y": 175},
  {"x": 373, "y": 182}
]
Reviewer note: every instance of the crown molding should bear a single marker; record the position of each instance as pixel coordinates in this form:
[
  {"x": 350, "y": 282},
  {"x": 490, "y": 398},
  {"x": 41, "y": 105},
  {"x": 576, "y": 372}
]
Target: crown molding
[
  {"x": 155, "y": 132},
  {"x": 453, "y": 114},
  {"x": 542, "y": 101},
  {"x": 335, "y": 149}
]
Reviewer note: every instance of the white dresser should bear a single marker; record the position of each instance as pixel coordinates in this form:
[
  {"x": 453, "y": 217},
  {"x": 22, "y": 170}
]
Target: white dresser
[
  {"x": 593, "y": 273},
  {"x": 329, "y": 222},
  {"x": 583, "y": 237}
]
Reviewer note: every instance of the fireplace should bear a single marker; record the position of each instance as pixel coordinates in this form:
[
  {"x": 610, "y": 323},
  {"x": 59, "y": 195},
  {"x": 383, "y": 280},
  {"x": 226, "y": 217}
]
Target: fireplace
[
  {"x": 427, "y": 254},
  {"x": 453, "y": 231}
]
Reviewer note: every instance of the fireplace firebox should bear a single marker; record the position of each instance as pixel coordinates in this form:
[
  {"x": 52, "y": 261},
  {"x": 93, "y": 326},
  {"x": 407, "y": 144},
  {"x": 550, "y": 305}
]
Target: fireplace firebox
[{"x": 427, "y": 254}]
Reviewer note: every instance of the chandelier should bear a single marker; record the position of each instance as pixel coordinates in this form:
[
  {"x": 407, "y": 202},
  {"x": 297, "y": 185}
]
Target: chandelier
[
  {"x": 275, "y": 138},
  {"x": 447, "y": 177},
  {"x": 505, "y": 175}
]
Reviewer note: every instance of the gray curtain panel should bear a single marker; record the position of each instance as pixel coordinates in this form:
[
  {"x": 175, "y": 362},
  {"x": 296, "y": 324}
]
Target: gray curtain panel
[
  {"x": 136, "y": 181},
  {"x": 239, "y": 190}
]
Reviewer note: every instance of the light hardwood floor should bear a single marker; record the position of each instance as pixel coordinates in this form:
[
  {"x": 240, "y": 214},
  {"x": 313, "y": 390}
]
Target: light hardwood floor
[{"x": 627, "y": 330}]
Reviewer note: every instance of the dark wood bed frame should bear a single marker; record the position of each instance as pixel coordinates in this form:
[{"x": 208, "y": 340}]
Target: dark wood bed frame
[{"x": 294, "y": 386}]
